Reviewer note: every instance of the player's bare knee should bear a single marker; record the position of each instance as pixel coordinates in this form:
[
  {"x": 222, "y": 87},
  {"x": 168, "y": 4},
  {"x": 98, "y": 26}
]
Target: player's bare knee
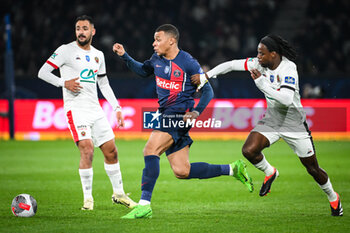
[
  {"x": 87, "y": 152},
  {"x": 248, "y": 151},
  {"x": 181, "y": 173},
  {"x": 112, "y": 157}
]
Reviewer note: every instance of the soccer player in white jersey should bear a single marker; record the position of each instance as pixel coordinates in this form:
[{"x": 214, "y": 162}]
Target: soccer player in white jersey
[
  {"x": 81, "y": 68},
  {"x": 275, "y": 74}
]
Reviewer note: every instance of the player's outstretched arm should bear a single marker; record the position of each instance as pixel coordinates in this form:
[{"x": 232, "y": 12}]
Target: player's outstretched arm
[
  {"x": 132, "y": 64},
  {"x": 223, "y": 68}
]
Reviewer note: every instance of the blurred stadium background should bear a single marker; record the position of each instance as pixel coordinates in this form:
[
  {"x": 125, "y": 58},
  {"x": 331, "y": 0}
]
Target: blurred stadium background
[{"x": 212, "y": 31}]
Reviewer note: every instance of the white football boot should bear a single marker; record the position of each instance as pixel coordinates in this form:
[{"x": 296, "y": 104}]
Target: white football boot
[
  {"x": 124, "y": 200},
  {"x": 88, "y": 204}
]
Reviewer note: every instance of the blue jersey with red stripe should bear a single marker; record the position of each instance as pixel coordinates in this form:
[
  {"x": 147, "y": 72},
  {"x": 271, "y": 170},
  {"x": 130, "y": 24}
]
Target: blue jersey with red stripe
[{"x": 173, "y": 80}]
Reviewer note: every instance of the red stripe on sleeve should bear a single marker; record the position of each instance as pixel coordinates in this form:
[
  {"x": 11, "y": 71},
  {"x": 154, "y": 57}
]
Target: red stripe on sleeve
[
  {"x": 246, "y": 64},
  {"x": 72, "y": 126},
  {"x": 53, "y": 65}
]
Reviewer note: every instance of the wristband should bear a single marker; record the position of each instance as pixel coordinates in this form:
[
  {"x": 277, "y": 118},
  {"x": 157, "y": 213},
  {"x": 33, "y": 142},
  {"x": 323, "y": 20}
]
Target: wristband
[{"x": 118, "y": 109}]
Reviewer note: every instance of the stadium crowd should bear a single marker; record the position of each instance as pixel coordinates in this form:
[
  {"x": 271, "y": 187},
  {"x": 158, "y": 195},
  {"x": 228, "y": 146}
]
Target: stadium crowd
[{"x": 213, "y": 31}]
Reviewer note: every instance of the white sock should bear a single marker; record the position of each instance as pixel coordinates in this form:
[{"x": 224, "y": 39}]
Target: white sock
[
  {"x": 115, "y": 176},
  {"x": 231, "y": 171},
  {"x": 264, "y": 166},
  {"x": 86, "y": 176},
  {"x": 328, "y": 189},
  {"x": 144, "y": 202}
]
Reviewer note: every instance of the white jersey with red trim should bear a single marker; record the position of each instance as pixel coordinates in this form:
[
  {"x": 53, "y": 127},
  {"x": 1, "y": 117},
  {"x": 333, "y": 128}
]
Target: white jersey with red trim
[
  {"x": 284, "y": 76},
  {"x": 73, "y": 62}
]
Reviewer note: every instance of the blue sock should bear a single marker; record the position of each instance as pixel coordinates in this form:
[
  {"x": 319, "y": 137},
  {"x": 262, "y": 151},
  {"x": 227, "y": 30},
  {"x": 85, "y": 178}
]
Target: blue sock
[
  {"x": 149, "y": 176},
  {"x": 205, "y": 170}
]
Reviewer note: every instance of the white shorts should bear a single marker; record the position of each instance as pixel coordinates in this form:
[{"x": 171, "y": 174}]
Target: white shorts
[
  {"x": 299, "y": 140},
  {"x": 85, "y": 125}
]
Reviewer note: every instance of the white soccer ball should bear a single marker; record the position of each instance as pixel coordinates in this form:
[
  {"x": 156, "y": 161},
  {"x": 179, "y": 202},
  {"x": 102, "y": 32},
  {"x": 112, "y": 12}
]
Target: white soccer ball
[{"x": 24, "y": 205}]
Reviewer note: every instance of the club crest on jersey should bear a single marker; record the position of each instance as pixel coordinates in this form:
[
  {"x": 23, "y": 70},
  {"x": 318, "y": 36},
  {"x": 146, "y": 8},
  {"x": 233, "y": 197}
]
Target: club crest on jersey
[
  {"x": 177, "y": 73},
  {"x": 87, "y": 58},
  {"x": 272, "y": 78},
  {"x": 83, "y": 133},
  {"x": 278, "y": 79},
  {"x": 96, "y": 59},
  {"x": 166, "y": 69},
  {"x": 88, "y": 76}
]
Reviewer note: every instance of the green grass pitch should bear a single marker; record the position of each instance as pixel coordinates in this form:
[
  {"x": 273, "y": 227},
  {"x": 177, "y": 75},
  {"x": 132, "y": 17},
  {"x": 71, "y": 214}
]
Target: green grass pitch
[{"x": 48, "y": 170}]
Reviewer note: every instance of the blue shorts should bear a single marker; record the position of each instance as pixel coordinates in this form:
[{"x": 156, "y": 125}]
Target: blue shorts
[{"x": 179, "y": 133}]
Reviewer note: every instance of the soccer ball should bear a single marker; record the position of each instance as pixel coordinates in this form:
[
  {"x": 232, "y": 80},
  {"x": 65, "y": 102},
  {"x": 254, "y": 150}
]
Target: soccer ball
[{"x": 24, "y": 205}]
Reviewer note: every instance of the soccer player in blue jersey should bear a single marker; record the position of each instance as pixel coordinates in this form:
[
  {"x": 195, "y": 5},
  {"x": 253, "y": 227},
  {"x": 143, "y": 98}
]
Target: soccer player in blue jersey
[{"x": 173, "y": 69}]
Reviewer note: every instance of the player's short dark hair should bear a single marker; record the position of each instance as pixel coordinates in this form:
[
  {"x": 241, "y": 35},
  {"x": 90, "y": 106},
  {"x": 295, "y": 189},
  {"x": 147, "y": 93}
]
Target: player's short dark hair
[
  {"x": 84, "y": 17},
  {"x": 280, "y": 46},
  {"x": 171, "y": 29}
]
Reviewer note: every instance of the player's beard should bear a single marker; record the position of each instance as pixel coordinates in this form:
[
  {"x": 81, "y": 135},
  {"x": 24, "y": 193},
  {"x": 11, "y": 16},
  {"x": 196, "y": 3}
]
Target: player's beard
[{"x": 85, "y": 42}]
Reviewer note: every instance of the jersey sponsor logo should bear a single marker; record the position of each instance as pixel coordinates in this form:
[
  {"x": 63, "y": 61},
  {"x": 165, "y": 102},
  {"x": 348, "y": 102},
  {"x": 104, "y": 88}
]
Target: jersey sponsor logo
[
  {"x": 168, "y": 84},
  {"x": 289, "y": 80},
  {"x": 77, "y": 58},
  {"x": 272, "y": 78},
  {"x": 87, "y": 58},
  {"x": 88, "y": 76},
  {"x": 82, "y": 127},
  {"x": 54, "y": 55}
]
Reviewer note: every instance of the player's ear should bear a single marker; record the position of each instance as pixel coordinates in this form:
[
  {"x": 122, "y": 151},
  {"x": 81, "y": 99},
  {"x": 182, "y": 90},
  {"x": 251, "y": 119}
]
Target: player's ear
[
  {"x": 172, "y": 41},
  {"x": 273, "y": 54},
  {"x": 93, "y": 31}
]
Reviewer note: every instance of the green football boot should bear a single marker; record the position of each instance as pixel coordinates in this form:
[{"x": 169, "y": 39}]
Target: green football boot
[
  {"x": 139, "y": 211},
  {"x": 241, "y": 174}
]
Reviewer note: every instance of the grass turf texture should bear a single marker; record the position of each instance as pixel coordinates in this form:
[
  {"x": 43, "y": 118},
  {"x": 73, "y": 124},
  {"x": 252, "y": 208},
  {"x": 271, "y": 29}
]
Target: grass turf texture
[{"x": 49, "y": 172}]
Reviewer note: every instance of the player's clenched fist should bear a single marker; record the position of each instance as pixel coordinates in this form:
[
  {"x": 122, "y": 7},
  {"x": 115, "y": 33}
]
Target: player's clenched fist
[{"x": 118, "y": 49}]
